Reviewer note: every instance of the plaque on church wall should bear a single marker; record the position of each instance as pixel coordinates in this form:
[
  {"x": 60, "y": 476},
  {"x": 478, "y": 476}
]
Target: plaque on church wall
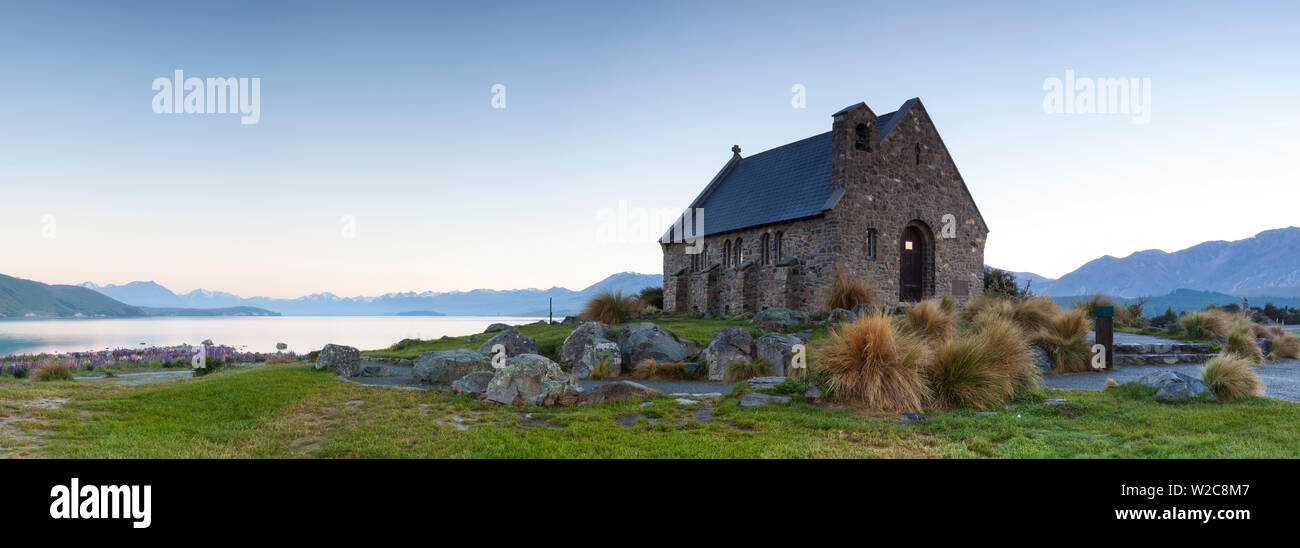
[{"x": 960, "y": 288}]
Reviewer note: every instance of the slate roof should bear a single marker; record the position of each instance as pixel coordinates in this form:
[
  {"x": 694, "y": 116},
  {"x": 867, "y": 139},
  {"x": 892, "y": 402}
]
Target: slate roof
[{"x": 792, "y": 181}]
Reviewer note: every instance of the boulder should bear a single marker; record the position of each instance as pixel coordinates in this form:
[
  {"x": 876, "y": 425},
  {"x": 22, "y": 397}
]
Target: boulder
[
  {"x": 1042, "y": 360},
  {"x": 863, "y": 309},
  {"x": 587, "y": 346},
  {"x": 604, "y": 351},
  {"x": 515, "y": 343},
  {"x": 812, "y": 394},
  {"x": 759, "y": 383},
  {"x": 446, "y": 366},
  {"x": 691, "y": 347},
  {"x": 645, "y": 340},
  {"x": 840, "y": 315},
  {"x": 730, "y": 345},
  {"x": 340, "y": 359},
  {"x": 780, "y": 319},
  {"x": 496, "y": 328},
  {"x": 531, "y": 379},
  {"x": 569, "y": 320},
  {"x": 759, "y": 400},
  {"x": 473, "y": 383},
  {"x": 1265, "y": 346},
  {"x": 778, "y": 350},
  {"x": 1171, "y": 385},
  {"x": 615, "y": 391}
]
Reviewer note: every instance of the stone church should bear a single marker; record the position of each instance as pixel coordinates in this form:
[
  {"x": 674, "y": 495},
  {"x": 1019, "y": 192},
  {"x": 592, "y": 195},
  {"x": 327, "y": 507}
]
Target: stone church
[{"x": 877, "y": 198}]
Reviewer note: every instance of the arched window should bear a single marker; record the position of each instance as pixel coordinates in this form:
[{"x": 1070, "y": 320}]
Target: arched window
[
  {"x": 726, "y": 254},
  {"x": 918, "y": 154},
  {"x": 872, "y": 236},
  {"x": 740, "y": 253},
  {"x": 704, "y": 257},
  {"x": 862, "y": 138},
  {"x": 763, "y": 254},
  {"x": 777, "y": 247}
]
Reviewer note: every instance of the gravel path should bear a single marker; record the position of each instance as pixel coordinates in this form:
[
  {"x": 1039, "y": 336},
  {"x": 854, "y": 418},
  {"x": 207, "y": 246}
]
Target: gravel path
[{"x": 1281, "y": 378}]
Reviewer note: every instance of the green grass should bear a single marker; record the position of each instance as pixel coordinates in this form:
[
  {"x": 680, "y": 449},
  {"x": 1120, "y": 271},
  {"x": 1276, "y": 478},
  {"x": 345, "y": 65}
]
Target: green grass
[{"x": 290, "y": 410}]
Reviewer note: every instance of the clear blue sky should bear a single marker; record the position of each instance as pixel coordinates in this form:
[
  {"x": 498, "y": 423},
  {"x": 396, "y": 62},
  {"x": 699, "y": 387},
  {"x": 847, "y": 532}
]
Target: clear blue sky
[{"x": 383, "y": 112}]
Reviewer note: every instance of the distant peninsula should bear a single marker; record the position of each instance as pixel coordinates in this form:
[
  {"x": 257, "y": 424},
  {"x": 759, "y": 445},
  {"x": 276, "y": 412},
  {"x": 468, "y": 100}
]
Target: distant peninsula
[{"x": 419, "y": 313}]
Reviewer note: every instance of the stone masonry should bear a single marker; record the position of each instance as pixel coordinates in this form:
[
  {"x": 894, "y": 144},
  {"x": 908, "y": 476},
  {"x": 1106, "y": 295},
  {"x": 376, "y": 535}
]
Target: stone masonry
[{"x": 878, "y": 186}]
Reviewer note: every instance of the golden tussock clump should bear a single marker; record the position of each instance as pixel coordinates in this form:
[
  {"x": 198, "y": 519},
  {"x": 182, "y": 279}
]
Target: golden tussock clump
[
  {"x": 1232, "y": 377},
  {"x": 869, "y": 363},
  {"x": 928, "y": 321}
]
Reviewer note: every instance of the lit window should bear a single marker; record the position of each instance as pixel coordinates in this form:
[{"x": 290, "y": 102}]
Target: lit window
[{"x": 907, "y": 245}]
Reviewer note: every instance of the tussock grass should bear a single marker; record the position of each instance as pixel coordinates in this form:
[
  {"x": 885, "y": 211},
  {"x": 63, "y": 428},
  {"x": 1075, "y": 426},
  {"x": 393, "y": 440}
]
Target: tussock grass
[
  {"x": 983, "y": 368},
  {"x": 51, "y": 369},
  {"x": 1232, "y": 377},
  {"x": 741, "y": 371},
  {"x": 868, "y": 362},
  {"x": 611, "y": 307},
  {"x": 928, "y": 321},
  {"x": 600, "y": 370},
  {"x": 962, "y": 376},
  {"x": 649, "y": 369},
  {"x": 1065, "y": 339},
  {"x": 1242, "y": 343},
  {"x": 847, "y": 292},
  {"x": 948, "y": 304},
  {"x": 1286, "y": 347},
  {"x": 1009, "y": 351},
  {"x": 985, "y": 305},
  {"x": 1035, "y": 313}
]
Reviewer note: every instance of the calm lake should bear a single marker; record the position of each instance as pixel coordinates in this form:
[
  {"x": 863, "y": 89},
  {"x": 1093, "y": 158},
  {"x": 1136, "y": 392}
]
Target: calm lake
[{"x": 302, "y": 333}]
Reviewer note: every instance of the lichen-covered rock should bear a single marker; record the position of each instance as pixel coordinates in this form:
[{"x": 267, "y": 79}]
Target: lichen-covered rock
[
  {"x": 1171, "y": 385},
  {"x": 344, "y": 360},
  {"x": 780, "y": 319},
  {"x": 840, "y": 315},
  {"x": 615, "y": 391},
  {"x": 588, "y": 345},
  {"x": 863, "y": 309},
  {"x": 1042, "y": 360},
  {"x": 473, "y": 383},
  {"x": 730, "y": 345},
  {"x": 641, "y": 341},
  {"x": 778, "y": 350},
  {"x": 1265, "y": 345},
  {"x": 606, "y": 352},
  {"x": 531, "y": 379},
  {"x": 514, "y": 343},
  {"x": 496, "y": 328},
  {"x": 445, "y": 366}
]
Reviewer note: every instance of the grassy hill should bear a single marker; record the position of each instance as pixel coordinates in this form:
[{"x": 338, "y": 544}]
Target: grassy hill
[{"x": 20, "y": 298}]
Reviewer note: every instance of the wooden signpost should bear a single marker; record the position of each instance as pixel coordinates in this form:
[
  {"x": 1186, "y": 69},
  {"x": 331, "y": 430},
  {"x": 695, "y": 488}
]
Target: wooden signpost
[{"x": 1105, "y": 320}]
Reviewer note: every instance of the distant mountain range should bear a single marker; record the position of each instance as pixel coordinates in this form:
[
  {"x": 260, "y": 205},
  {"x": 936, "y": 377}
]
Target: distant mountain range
[
  {"x": 478, "y": 302},
  {"x": 25, "y": 298},
  {"x": 1266, "y": 265},
  {"x": 21, "y": 298}
]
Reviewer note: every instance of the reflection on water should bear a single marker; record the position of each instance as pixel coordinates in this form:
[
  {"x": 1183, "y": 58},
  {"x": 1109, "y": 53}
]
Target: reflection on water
[{"x": 256, "y": 334}]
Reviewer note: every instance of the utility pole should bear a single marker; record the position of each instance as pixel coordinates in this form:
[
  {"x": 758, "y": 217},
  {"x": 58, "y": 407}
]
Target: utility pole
[{"x": 550, "y": 310}]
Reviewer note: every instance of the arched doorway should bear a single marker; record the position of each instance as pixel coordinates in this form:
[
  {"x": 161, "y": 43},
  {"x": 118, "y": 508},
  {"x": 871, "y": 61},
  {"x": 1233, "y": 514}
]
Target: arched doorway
[{"x": 912, "y": 248}]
